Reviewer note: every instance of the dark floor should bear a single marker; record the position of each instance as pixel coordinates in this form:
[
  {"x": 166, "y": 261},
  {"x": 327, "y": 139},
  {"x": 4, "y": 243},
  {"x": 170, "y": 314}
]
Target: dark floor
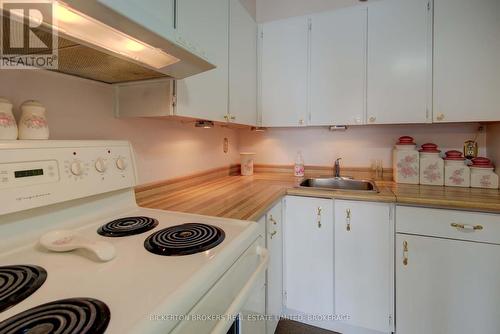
[{"x": 292, "y": 327}]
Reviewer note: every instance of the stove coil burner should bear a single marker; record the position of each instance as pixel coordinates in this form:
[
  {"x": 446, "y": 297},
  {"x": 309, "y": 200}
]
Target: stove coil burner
[
  {"x": 127, "y": 226},
  {"x": 68, "y": 316},
  {"x": 184, "y": 239},
  {"x": 18, "y": 283}
]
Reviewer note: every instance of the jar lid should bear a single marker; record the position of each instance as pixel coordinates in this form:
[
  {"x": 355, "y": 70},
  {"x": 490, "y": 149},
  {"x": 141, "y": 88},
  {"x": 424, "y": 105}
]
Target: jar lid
[
  {"x": 5, "y": 101},
  {"x": 454, "y": 155},
  {"x": 405, "y": 140},
  {"x": 32, "y": 103},
  {"x": 429, "y": 148},
  {"x": 482, "y": 162}
]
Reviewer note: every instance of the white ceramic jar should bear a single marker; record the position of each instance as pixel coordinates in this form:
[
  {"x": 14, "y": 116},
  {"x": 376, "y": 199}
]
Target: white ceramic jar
[
  {"x": 33, "y": 123},
  {"x": 405, "y": 161},
  {"x": 8, "y": 126},
  {"x": 456, "y": 172},
  {"x": 431, "y": 165},
  {"x": 247, "y": 163},
  {"x": 483, "y": 174}
]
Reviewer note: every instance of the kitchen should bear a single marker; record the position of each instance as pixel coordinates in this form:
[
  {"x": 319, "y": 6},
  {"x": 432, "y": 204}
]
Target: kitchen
[{"x": 299, "y": 84}]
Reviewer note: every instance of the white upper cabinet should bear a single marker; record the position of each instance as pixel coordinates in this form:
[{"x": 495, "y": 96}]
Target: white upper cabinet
[
  {"x": 308, "y": 244},
  {"x": 399, "y": 61},
  {"x": 364, "y": 235},
  {"x": 338, "y": 67},
  {"x": 466, "y": 60},
  {"x": 284, "y": 72},
  {"x": 156, "y": 15},
  {"x": 206, "y": 25},
  {"x": 242, "y": 65}
]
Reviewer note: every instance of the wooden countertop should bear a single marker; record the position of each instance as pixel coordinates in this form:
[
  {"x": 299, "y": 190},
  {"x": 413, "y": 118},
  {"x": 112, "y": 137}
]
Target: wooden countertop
[{"x": 250, "y": 197}]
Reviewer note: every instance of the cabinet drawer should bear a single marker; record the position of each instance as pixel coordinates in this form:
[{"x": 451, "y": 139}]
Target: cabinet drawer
[{"x": 448, "y": 224}]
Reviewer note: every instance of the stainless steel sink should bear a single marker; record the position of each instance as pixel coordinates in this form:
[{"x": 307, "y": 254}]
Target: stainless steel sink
[{"x": 340, "y": 183}]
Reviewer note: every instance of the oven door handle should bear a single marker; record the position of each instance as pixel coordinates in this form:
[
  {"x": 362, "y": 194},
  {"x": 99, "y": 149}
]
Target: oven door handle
[{"x": 223, "y": 326}]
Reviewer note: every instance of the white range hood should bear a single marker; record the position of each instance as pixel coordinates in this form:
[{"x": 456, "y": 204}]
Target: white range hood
[{"x": 98, "y": 43}]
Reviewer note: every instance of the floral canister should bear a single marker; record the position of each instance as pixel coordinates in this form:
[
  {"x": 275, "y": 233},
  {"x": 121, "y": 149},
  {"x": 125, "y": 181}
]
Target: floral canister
[
  {"x": 405, "y": 160},
  {"x": 482, "y": 174},
  {"x": 456, "y": 172},
  {"x": 8, "y": 126},
  {"x": 247, "y": 163},
  {"x": 33, "y": 122},
  {"x": 431, "y": 165}
]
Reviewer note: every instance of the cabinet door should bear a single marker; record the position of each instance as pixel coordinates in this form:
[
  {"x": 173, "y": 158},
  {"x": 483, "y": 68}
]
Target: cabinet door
[
  {"x": 242, "y": 65},
  {"x": 338, "y": 67},
  {"x": 284, "y": 70},
  {"x": 466, "y": 60},
  {"x": 309, "y": 259},
  {"x": 399, "y": 61},
  {"x": 447, "y": 286},
  {"x": 205, "y": 24},
  {"x": 363, "y": 264},
  {"x": 275, "y": 269},
  {"x": 156, "y": 15}
]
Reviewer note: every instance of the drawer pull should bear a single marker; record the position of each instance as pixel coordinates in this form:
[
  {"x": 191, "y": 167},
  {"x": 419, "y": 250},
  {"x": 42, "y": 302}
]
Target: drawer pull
[
  {"x": 272, "y": 234},
  {"x": 405, "y": 253},
  {"x": 467, "y": 227}
]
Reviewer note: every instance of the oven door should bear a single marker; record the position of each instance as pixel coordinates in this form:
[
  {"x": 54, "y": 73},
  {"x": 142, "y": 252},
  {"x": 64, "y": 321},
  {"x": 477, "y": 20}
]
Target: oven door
[
  {"x": 241, "y": 292},
  {"x": 252, "y": 316}
]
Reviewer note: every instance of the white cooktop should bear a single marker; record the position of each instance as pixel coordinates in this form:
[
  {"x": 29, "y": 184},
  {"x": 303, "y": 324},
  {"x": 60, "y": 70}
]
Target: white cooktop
[{"x": 136, "y": 284}]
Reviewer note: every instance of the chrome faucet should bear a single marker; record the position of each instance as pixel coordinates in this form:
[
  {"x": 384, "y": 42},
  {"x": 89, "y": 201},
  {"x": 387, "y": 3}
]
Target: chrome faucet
[{"x": 336, "y": 168}]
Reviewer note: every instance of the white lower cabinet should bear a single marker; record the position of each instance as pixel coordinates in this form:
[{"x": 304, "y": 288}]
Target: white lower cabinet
[
  {"x": 447, "y": 276},
  {"x": 274, "y": 243},
  {"x": 364, "y": 274},
  {"x": 308, "y": 256}
]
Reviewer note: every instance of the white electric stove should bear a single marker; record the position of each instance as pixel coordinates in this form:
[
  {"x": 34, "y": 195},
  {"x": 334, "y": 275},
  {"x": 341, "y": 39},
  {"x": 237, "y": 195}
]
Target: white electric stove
[{"x": 135, "y": 270}]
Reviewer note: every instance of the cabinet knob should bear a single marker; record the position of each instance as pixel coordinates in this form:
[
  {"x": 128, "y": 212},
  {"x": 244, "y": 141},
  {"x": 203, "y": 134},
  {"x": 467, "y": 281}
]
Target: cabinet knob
[
  {"x": 440, "y": 117},
  {"x": 372, "y": 119}
]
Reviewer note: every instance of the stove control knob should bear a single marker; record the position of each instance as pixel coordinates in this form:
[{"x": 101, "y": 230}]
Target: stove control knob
[
  {"x": 76, "y": 168},
  {"x": 121, "y": 164},
  {"x": 100, "y": 165}
]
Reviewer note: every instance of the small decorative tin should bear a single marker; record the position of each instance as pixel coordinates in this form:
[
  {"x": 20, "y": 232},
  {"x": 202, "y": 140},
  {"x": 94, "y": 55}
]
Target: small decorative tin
[
  {"x": 406, "y": 161},
  {"x": 456, "y": 172},
  {"x": 470, "y": 149},
  {"x": 482, "y": 174},
  {"x": 431, "y": 165}
]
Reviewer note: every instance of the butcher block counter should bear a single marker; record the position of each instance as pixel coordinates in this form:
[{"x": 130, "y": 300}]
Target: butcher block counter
[{"x": 249, "y": 197}]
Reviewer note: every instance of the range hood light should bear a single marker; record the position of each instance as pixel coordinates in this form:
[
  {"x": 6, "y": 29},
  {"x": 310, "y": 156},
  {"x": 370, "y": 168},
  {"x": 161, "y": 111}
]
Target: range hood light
[{"x": 87, "y": 30}]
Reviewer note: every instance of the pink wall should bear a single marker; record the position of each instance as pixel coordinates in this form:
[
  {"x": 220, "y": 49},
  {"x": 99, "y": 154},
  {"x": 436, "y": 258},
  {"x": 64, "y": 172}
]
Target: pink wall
[
  {"x": 493, "y": 144},
  {"x": 82, "y": 109},
  {"x": 358, "y": 146}
]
